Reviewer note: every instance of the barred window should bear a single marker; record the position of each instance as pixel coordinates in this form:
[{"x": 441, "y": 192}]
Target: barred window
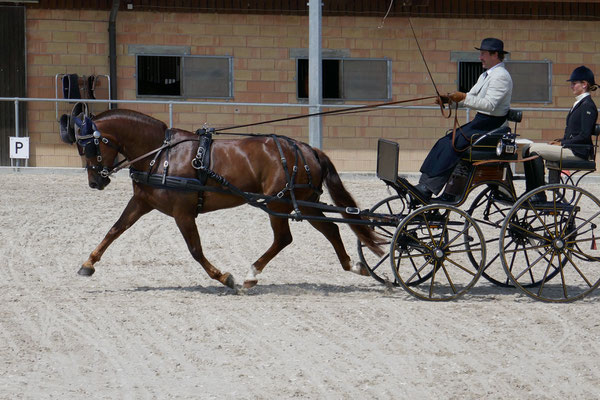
[
  {"x": 349, "y": 79},
  {"x": 532, "y": 80},
  {"x": 468, "y": 73},
  {"x": 184, "y": 76}
]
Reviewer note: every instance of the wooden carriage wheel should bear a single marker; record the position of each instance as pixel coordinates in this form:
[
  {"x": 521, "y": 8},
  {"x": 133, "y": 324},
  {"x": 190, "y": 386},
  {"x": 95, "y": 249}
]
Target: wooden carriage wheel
[
  {"x": 430, "y": 252},
  {"x": 553, "y": 243},
  {"x": 396, "y": 207}
]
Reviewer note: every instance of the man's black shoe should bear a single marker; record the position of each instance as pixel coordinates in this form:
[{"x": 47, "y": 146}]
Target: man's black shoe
[
  {"x": 538, "y": 198},
  {"x": 446, "y": 198},
  {"x": 423, "y": 191}
]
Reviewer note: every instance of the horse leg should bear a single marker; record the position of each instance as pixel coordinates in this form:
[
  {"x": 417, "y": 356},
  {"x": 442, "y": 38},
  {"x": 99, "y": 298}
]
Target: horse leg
[
  {"x": 281, "y": 238},
  {"x": 332, "y": 233},
  {"x": 132, "y": 212},
  {"x": 189, "y": 230}
]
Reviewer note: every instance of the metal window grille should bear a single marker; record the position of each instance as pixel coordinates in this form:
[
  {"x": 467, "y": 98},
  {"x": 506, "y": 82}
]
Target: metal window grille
[
  {"x": 185, "y": 76},
  {"x": 349, "y": 79},
  {"x": 468, "y": 73}
]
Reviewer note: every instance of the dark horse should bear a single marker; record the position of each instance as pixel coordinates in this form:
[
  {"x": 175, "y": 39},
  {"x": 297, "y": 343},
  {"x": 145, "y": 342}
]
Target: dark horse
[{"x": 252, "y": 164}]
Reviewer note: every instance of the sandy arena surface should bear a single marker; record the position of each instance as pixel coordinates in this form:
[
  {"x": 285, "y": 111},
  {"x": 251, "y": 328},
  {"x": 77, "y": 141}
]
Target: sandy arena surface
[{"x": 150, "y": 324}]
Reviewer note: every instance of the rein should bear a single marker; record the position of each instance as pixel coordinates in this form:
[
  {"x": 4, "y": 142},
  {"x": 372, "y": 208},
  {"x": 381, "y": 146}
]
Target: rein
[
  {"x": 124, "y": 163},
  {"x": 332, "y": 112}
]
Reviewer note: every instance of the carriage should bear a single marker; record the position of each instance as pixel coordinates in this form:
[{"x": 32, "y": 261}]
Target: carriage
[
  {"x": 434, "y": 249},
  {"x": 438, "y": 251}
]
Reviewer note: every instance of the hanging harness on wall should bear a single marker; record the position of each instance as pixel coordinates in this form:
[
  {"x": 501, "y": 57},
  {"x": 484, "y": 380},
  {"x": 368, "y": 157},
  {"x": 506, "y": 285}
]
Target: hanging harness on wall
[
  {"x": 67, "y": 122},
  {"x": 90, "y": 86},
  {"x": 70, "y": 84}
]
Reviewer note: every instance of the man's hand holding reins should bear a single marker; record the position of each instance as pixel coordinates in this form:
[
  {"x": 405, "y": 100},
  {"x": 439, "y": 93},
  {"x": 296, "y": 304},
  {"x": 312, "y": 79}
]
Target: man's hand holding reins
[
  {"x": 457, "y": 97},
  {"x": 441, "y": 100},
  {"x": 454, "y": 97}
]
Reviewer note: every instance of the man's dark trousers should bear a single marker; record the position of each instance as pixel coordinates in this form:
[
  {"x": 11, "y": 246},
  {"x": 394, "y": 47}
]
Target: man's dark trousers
[{"x": 442, "y": 158}]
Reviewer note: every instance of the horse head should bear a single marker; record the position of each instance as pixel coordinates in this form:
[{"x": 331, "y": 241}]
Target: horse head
[
  {"x": 100, "y": 151},
  {"x": 100, "y": 140}
]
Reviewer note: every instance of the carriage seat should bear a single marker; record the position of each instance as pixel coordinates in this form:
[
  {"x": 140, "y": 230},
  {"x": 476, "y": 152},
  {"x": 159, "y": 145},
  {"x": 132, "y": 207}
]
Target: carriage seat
[
  {"x": 578, "y": 165},
  {"x": 483, "y": 145}
]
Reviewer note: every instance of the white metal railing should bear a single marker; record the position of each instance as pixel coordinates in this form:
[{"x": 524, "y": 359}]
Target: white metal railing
[{"x": 172, "y": 103}]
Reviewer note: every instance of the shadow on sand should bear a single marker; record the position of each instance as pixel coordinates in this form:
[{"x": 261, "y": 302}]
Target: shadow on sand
[
  {"x": 480, "y": 293},
  {"x": 283, "y": 289}
]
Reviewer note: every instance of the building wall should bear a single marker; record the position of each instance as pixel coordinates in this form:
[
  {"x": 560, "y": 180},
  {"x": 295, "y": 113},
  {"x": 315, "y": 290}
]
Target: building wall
[{"x": 61, "y": 41}]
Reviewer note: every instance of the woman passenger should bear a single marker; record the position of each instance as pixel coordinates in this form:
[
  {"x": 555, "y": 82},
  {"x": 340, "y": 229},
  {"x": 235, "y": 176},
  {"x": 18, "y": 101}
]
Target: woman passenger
[{"x": 576, "y": 143}]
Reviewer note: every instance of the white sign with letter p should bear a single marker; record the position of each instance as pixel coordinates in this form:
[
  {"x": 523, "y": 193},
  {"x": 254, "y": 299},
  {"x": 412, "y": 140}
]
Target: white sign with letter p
[{"x": 19, "y": 147}]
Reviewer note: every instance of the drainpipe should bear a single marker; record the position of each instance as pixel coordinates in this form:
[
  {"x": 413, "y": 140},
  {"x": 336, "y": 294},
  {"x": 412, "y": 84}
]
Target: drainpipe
[{"x": 112, "y": 51}]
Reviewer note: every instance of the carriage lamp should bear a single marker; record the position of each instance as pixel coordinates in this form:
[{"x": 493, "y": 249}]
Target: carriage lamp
[{"x": 506, "y": 145}]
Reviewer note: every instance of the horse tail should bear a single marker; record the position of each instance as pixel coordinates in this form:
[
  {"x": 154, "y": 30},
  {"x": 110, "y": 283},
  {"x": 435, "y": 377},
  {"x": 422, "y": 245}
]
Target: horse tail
[{"x": 342, "y": 198}]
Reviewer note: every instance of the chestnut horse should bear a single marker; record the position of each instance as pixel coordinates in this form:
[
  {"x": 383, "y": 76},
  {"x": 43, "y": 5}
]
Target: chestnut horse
[{"x": 252, "y": 164}]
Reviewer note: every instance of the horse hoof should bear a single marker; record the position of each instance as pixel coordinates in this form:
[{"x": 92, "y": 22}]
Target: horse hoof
[
  {"x": 229, "y": 281},
  {"x": 86, "y": 271},
  {"x": 250, "y": 283},
  {"x": 360, "y": 268}
]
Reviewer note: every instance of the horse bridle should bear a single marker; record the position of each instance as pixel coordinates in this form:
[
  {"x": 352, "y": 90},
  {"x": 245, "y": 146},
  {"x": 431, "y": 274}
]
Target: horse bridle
[{"x": 88, "y": 145}]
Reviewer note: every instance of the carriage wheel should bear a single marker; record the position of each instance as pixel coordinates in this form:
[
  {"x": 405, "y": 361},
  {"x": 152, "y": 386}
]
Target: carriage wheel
[
  {"x": 489, "y": 210},
  {"x": 394, "y": 206},
  {"x": 430, "y": 252},
  {"x": 555, "y": 239}
]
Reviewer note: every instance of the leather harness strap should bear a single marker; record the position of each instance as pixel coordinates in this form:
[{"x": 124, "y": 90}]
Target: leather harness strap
[
  {"x": 505, "y": 161},
  {"x": 291, "y": 179}
]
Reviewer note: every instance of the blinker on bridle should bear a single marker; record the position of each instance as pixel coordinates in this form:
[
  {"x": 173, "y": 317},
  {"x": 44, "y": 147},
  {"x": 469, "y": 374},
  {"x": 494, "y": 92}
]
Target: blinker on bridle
[{"x": 88, "y": 139}]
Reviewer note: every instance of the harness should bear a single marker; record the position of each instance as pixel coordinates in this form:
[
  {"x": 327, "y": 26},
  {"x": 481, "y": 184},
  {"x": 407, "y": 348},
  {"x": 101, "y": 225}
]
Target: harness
[
  {"x": 88, "y": 138},
  {"x": 291, "y": 179},
  {"x": 166, "y": 147},
  {"x": 201, "y": 162}
]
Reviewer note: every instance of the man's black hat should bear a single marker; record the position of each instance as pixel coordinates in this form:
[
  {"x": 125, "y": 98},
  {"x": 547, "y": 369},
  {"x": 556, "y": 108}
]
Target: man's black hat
[
  {"x": 492, "y": 44},
  {"x": 582, "y": 73}
]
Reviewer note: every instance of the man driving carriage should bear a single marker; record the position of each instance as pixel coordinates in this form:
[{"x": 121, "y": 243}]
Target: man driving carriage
[{"x": 490, "y": 97}]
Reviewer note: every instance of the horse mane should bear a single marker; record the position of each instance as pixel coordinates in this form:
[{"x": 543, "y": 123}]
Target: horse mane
[{"x": 135, "y": 116}]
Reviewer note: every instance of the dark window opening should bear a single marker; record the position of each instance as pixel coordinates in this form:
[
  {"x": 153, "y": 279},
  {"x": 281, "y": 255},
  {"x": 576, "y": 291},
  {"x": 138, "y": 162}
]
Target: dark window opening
[
  {"x": 349, "y": 79},
  {"x": 159, "y": 76},
  {"x": 330, "y": 80},
  {"x": 468, "y": 73}
]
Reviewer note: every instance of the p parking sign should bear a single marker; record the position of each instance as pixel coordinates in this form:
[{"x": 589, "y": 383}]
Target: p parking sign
[{"x": 19, "y": 147}]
